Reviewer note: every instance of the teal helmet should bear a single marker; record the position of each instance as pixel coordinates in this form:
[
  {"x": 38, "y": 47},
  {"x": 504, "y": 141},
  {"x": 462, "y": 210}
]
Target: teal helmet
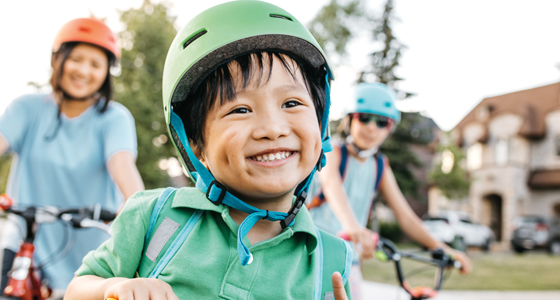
[
  {"x": 211, "y": 39},
  {"x": 375, "y": 98}
]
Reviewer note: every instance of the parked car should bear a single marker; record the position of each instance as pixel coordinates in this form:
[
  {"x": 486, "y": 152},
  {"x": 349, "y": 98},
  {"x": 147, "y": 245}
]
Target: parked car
[
  {"x": 554, "y": 237},
  {"x": 456, "y": 229},
  {"x": 536, "y": 232}
]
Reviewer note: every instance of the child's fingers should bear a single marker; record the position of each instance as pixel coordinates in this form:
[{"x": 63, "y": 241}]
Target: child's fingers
[
  {"x": 172, "y": 296},
  {"x": 338, "y": 287}
]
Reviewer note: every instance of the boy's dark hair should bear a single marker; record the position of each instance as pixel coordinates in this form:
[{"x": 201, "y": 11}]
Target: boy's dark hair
[
  {"x": 60, "y": 57},
  {"x": 220, "y": 83}
]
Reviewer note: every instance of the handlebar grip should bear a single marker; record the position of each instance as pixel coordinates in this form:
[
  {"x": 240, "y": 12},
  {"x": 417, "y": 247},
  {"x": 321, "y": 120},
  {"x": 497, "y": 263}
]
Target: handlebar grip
[{"x": 107, "y": 215}]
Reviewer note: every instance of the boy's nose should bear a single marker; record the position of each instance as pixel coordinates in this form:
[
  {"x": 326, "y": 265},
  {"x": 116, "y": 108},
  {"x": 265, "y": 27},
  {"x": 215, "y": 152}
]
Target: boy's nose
[{"x": 271, "y": 127}]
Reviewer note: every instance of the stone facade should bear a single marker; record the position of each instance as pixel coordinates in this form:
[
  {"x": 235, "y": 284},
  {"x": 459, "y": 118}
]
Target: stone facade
[{"x": 507, "y": 138}]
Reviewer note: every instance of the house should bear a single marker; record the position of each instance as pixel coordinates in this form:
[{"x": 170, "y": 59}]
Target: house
[{"x": 512, "y": 145}]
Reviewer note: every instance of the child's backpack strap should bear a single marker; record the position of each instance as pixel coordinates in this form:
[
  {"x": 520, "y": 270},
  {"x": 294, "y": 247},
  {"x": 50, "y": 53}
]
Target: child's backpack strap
[
  {"x": 380, "y": 159},
  {"x": 320, "y": 199},
  {"x": 160, "y": 246},
  {"x": 329, "y": 250}
]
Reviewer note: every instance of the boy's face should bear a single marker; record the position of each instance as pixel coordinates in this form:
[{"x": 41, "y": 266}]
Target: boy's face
[
  {"x": 367, "y": 135},
  {"x": 267, "y": 140}
]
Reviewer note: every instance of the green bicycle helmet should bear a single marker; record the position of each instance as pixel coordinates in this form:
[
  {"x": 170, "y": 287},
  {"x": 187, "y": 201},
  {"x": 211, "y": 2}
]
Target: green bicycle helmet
[{"x": 213, "y": 38}]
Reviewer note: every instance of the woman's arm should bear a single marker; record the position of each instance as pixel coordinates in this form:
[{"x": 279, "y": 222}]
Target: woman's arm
[
  {"x": 410, "y": 222},
  {"x": 122, "y": 167},
  {"x": 3, "y": 145},
  {"x": 331, "y": 185}
]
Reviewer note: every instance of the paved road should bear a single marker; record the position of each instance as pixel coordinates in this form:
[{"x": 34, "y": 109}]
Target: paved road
[{"x": 381, "y": 291}]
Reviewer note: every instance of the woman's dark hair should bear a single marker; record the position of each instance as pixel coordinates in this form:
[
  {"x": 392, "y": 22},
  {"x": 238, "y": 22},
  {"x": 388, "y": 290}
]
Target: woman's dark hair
[
  {"x": 105, "y": 93},
  {"x": 220, "y": 83}
]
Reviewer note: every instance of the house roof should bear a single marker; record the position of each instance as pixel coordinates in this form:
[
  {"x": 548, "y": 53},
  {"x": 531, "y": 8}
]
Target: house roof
[
  {"x": 532, "y": 105},
  {"x": 545, "y": 179}
]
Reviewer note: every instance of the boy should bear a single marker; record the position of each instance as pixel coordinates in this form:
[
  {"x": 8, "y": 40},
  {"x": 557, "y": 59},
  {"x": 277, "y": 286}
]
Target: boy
[{"x": 246, "y": 101}]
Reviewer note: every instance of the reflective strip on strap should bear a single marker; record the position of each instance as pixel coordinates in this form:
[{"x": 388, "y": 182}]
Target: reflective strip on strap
[
  {"x": 348, "y": 265},
  {"x": 157, "y": 209},
  {"x": 176, "y": 244},
  {"x": 319, "y": 269},
  {"x": 164, "y": 232}
]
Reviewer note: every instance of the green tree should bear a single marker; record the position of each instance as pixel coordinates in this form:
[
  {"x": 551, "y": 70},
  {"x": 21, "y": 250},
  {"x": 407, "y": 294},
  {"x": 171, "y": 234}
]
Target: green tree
[
  {"x": 148, "y": 34},
  {"x": 5, "y": 163},
  {"x": 333, "y": 25},
  {"x": 449, "y": 175}
]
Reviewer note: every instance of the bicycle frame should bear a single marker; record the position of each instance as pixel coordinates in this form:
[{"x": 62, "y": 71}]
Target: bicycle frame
[{"x": 24, "y": 280}]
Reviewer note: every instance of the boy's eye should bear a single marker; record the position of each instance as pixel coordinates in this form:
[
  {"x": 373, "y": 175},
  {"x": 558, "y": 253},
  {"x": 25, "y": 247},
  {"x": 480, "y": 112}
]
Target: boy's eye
[
  {"x": 291, "y": 103},
  {"x": 240, "y": 110}
]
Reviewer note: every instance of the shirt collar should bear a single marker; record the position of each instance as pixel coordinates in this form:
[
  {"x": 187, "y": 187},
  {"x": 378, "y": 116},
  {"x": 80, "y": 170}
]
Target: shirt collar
[{"x": 194, "y": 198}]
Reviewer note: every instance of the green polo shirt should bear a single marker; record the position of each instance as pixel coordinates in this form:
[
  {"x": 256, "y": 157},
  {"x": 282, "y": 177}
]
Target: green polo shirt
[{"x": 207, "y": 266}]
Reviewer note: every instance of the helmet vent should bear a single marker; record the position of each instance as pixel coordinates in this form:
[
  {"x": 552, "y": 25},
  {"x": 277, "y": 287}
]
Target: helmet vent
[
  {"x": 84, "y": 29},
  {"x": 280, "y": 17},
  {"x": 193, "y": 38}
]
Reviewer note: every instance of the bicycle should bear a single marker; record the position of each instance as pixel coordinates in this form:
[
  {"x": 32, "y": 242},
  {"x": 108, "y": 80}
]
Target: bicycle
[
  {"x": 24, "y": 278},
  {"x": 386, "y": 250}
]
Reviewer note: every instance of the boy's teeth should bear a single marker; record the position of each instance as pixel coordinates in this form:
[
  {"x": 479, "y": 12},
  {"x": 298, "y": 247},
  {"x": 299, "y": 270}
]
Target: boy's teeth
[{"x": 272, "y": 156}]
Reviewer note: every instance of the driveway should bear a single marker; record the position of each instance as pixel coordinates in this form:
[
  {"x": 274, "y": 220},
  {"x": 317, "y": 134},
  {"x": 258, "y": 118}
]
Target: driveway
[{"x": 381, "y": 291}]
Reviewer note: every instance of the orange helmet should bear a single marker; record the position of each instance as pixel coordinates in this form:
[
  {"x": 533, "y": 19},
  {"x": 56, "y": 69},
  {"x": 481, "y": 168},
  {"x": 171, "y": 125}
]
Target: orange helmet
[{"x": 88, "y": 30}]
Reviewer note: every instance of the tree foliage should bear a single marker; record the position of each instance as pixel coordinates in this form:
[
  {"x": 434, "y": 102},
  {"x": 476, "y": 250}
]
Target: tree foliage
[
  {"x": 453, "y": 182},
  {"x": 332, "y": 27},
  {"x": 5, "y": 163},
  {"x": 146, "y": 39}
]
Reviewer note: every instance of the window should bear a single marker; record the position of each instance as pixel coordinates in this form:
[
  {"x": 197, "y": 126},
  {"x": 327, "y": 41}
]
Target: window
[
  {"x": 474, "y": 157},
  {"x": 557, "y": 145},
  {"x": 447, "y": 161},
  {"x": 501, "y": 154}
]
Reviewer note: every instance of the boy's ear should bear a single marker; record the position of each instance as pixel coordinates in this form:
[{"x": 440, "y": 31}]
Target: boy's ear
[{"x": 198, "y": 153}]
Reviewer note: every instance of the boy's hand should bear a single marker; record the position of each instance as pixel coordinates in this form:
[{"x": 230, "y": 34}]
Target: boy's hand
[
  {"x": 338, "y": 287},
  {"x": 141, "y": 289}
]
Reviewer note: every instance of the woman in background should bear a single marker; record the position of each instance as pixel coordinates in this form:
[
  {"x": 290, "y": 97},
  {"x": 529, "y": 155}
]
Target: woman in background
[{"x": 73, "y": 147}]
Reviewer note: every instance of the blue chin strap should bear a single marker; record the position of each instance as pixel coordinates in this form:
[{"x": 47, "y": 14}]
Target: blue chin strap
[{"x": 217, "y": 193}]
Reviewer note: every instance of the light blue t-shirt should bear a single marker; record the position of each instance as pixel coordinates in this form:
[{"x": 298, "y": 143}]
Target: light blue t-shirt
[
  {"x": 359, "y": 184},
  {"x": 68, "y": 171}
]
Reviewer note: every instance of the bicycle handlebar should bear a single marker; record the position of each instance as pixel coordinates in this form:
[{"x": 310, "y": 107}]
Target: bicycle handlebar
[
  {"x": 85, "y": 217},
  {"x": 386, "y": 250}
]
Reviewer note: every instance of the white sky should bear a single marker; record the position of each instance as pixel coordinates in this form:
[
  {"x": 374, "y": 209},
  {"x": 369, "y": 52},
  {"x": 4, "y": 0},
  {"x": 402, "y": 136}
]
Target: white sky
[{"x": 459, "y": 52}]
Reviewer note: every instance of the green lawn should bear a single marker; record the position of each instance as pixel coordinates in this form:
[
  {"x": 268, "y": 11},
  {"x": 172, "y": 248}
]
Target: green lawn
[{"x": 495, "y": 271}]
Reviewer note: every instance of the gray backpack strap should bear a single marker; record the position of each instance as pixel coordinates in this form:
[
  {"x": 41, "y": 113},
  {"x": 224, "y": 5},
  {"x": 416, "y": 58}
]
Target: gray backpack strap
[{"x": 330, "y": 249}]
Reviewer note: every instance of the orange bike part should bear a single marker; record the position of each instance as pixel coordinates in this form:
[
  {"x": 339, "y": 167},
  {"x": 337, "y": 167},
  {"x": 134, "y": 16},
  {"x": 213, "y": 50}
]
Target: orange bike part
[
  {"x": 88, "y": 30},
  {"x": 5, "y": 202},
  {"x": 22, "y": 283}
]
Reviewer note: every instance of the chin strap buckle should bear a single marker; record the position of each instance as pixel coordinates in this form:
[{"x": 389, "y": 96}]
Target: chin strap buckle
[
  {"x": 222, "y": 192},
  {"x": 294, "y": 210}
]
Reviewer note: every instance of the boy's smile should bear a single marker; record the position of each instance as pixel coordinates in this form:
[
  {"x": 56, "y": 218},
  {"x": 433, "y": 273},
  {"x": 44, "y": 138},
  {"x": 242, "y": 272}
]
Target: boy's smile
[{"x": 265, "y": 142}]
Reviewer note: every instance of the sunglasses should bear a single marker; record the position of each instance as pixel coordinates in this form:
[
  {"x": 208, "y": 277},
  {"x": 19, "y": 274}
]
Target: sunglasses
[{"x": 380, "y": 121}]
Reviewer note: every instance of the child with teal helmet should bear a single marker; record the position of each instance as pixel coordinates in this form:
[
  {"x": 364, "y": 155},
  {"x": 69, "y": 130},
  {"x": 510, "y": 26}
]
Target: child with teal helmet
[
  {"x": 343, "y": 195},
  {"x": 246, "y": 102}
]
